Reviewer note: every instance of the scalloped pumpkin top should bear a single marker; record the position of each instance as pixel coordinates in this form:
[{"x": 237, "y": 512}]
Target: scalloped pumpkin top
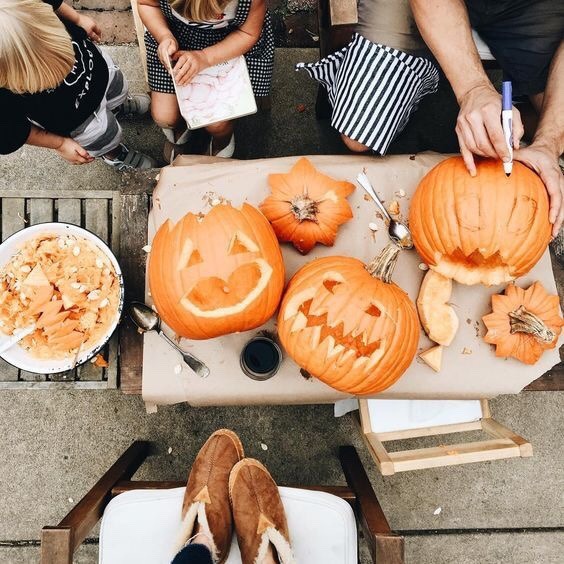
[{"x": 306, "y": 206}]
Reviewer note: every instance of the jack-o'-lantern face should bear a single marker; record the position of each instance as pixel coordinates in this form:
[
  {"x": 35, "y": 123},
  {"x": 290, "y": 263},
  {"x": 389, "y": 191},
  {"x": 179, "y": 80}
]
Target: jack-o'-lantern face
[
  {"x": 487, "y": 229},
  {"x": 347, "y": 327},
  {"x": 217, "y": 273}
]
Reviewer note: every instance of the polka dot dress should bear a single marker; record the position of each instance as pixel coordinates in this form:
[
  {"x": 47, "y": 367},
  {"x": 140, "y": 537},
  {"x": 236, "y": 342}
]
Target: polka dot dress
[{"x": 196, "y": 36}]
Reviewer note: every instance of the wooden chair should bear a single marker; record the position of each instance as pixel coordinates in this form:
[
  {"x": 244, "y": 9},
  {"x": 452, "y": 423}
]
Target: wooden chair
[{"x": 59, "y": 543}]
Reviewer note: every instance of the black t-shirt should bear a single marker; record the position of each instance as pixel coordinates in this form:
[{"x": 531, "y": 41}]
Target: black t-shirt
[{"x": 60, "y": 110}]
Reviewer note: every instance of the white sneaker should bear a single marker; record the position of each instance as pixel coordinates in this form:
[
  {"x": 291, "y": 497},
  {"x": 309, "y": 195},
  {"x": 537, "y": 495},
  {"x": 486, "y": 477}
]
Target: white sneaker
[
  {"x": 227, "y": 151},
  {"x": 128, "y": 160},
  {"x": 134, "y": 105}
]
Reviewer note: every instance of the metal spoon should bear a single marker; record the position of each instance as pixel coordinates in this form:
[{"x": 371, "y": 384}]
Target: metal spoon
[
  {"x": 148, "y": 320},
  {"x": 16, "y": 337},
  {"x": 397, "y": 231}
]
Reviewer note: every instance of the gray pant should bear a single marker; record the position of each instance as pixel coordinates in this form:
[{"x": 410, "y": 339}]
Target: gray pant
[{"x": 101, "y": 132}]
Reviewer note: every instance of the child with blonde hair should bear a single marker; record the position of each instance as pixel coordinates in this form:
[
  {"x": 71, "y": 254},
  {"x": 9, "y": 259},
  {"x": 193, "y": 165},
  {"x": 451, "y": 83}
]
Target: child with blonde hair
[
  {"x": 197, "y": 34},
  {"x": 58, "y": 90}
]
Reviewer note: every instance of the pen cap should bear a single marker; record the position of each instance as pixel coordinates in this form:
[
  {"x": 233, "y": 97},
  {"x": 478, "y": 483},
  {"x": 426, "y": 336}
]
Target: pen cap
[{"x": 506, "y": 93}]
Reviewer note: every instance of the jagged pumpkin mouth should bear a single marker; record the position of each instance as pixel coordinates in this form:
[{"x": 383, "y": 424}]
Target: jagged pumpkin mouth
[
  {"x": 341, "y": 342},
  {"x": 477, "y": 260}
]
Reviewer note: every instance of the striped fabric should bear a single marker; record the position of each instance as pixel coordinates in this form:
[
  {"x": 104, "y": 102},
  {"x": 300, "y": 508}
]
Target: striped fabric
[{"x": 373, "y": 89}]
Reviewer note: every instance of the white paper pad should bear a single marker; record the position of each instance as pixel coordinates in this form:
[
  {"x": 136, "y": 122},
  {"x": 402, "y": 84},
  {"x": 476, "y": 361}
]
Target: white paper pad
[{"x": 399, "y": 415}]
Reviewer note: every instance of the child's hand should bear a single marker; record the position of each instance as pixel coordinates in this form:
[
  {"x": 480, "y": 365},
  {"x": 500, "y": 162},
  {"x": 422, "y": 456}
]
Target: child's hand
[
  {"x": 166, "y": 49},
  {"x": 72, "y": 152},
  {"x": 90, "y": 27},
  {"x": 188, "y": 65}
]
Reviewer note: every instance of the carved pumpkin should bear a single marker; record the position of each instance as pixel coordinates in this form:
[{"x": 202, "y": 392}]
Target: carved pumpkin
[
  {"x": 524, "y": 323},
  {"x": 307, "y": 207},
  {"x": 489, "y": 229},
  {"x": 217, "y": 273},
  {"x": 437, "y": 316},
  {"x": 345, "y": 323}
]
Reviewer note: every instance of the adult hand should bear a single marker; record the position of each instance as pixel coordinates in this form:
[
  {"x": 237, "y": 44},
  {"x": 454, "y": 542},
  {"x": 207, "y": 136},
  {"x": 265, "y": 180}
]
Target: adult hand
[
  {"x": 188, "y": 65},
  {"x": 166, "y": 49},
  {"x": 544, "y": 161},
  {"x": 72, "y": 152},
  {"x": 90, "y": 27},
  {"x": 479, "y": 129}
]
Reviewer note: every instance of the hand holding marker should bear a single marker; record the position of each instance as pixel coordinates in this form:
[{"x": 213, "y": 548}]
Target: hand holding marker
[{"x": 507, "y": 123}]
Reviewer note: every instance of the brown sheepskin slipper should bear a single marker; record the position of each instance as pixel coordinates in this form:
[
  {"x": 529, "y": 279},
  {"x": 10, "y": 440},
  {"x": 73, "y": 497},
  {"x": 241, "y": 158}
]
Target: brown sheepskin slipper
[
  {"x": 258, "y": 513},
  {"x": 207, "y": 493}
]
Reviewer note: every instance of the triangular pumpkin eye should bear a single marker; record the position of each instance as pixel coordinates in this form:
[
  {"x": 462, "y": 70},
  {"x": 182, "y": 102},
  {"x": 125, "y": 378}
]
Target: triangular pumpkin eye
[
  {"x": 241, "y": 243},
  {"x": 373, "y": 311},
  {"x": 195, "y": 258},
  {"x": 330, "y": 284}
]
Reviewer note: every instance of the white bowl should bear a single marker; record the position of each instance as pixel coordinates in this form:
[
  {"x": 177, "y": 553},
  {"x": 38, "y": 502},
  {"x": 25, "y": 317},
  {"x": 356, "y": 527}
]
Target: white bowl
[{"x": 18, "y": 356}]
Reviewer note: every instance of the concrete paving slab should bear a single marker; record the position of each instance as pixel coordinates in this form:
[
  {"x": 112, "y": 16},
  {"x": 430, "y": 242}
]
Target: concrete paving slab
[
  {"x": 57, "y": 444},
  {"x": 528, "y": 548}
]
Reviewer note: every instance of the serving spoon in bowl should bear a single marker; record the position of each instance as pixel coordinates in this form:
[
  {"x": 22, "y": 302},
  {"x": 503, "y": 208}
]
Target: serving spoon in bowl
[
  {"x": 397, "y": 231},
  {"x": 16, "y": 337},
  {"x": 148, "y": 320}
]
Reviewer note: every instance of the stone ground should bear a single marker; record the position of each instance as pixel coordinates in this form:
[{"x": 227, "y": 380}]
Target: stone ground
[{"x": 55, "y": 445}]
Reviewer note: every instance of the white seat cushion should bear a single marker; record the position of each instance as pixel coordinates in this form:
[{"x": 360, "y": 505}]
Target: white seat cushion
[
  {"x": 140, "y": 527},
  {"x": 483, "y": 49}
]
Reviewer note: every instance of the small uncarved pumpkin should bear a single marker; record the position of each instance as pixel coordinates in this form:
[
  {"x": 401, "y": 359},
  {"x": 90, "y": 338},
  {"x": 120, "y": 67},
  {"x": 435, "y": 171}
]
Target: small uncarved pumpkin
[
  {"x": 217, "y": 273},
  {"x": 524, "y": 323},
  {"x": 437, "y": 316},
  {"x": 307, "y": 207},
  {"x": 347, "y": 324},
  {"x": 486, "y": 229}
]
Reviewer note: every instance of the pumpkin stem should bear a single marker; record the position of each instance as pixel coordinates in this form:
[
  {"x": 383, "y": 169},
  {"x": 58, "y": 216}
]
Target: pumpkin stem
[
  {"x": 304, "y": 208},
  {"x": 523, "y": 321},
  {"x": 383, "y": 265}
]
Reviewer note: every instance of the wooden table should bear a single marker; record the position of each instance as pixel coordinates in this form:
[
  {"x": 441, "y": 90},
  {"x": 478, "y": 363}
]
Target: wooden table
[{"x": 135, "y": 200}]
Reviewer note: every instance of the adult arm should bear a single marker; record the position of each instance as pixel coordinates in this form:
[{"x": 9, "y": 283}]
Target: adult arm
[
  {"x": 238, "y": 42},
  {"x": 445, "y": 27},
  {"x": 68, "y": 13},
  {"x": 548, "y": 143}
]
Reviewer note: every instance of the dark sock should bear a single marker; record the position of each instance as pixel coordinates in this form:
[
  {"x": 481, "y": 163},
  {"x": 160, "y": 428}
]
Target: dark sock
[{"x": 194, "y": 554}]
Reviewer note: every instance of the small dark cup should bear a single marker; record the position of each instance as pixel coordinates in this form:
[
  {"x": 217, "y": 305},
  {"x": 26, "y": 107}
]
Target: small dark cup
[{"x": 261, "y": 358}]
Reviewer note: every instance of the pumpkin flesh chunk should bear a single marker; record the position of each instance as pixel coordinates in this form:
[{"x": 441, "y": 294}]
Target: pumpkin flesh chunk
[
  {"x": 437, "y": 317},
  {"x": 433, "y": 357}
]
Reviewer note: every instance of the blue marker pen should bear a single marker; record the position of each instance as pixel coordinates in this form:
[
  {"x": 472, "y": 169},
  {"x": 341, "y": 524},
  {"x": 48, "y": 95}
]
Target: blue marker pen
[{"x": 507, "y": 123}]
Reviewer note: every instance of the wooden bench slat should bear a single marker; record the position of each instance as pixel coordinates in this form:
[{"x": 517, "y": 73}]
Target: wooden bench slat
[
  {"x": 69, "y": 210},
  {"x": 96, "y": 217},
  {"x": 13, "y": 216},
  {"x": 40, "y": 210}
]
